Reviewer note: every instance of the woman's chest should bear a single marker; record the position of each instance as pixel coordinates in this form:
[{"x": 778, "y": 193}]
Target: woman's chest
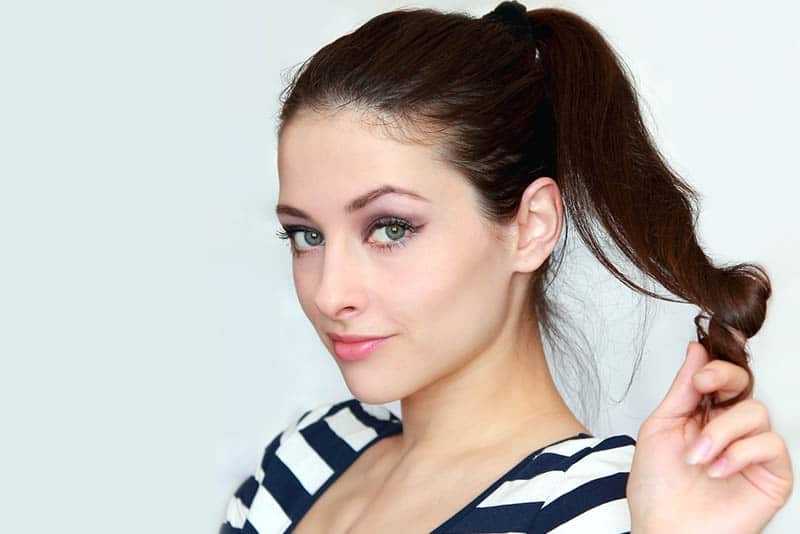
[
  {"x": 361, "y": 501},
  {"x": 353, "y": 506},
  {"x": 361, "y": 515}
]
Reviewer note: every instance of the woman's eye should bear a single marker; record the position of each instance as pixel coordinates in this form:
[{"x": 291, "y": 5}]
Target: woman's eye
[
  {"x": 393, "y": 231},
  {"x": 311, "y": 237},
  {"x": 297, "y": 234},
  {"x": 396, "y": 231}
]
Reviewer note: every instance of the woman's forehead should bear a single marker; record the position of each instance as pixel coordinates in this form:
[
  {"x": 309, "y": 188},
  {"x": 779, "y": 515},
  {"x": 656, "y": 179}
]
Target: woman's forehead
[
  {"x": 346, "y": 137},
  {"x": 340, "y": 153}
]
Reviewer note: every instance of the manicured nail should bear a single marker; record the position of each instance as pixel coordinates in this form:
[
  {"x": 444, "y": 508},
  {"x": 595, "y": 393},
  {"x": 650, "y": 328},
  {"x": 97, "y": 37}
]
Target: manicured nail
[
  {"x": 718, "y": 468},
  {"x": 699, "y": 451}
]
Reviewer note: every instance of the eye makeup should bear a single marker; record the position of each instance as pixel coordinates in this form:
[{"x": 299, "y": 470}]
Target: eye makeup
[{"x": 391, "y": 223}]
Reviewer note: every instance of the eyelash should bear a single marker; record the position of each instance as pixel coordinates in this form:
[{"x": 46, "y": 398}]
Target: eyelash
[{"x": 289, "y": 231}]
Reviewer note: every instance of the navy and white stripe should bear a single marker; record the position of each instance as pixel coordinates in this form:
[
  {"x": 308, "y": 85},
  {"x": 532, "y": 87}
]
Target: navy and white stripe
[{"x": 576, "y": 485}]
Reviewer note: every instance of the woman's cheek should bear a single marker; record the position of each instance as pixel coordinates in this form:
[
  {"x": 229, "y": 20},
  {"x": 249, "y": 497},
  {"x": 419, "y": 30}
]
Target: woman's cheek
[{"x": 304, "y": 284}]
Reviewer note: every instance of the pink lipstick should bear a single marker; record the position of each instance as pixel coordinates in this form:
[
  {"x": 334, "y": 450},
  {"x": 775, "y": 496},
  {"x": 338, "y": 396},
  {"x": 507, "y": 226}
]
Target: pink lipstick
[{"x": 355, "y": 347}]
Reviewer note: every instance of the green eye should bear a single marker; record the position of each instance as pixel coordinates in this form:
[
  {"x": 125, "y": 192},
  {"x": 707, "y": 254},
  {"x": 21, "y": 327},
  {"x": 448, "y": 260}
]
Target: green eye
[
  {"x": 312, "y": 238},
  {"x": 398, "y": 231},
  {"x": 394, "y": 231},
  {"x": 316, "y": 237}
]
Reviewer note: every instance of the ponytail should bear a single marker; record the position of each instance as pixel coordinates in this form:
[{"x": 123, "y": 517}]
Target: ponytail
[{"x": 610, "y": 171}]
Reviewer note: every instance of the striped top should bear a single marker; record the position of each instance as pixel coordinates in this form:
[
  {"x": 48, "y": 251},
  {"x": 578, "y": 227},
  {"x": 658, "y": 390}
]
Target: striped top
[{"x": 576, "y": 485}]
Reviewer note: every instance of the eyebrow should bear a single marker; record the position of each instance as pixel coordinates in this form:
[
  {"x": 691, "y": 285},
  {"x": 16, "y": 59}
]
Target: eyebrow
[{"x": 357, "y": 203}]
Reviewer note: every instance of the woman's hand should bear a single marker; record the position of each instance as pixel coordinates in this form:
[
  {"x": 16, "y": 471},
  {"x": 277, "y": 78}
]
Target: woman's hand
[{"x": 736, "y": 486}]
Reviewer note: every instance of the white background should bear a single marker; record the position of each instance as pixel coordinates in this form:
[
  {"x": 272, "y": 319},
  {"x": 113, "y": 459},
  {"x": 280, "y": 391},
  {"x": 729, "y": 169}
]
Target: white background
[{"x": 150, "y": 338}]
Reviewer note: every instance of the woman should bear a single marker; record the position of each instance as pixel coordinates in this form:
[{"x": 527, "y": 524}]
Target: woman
[{"x": 427, "y": 165}]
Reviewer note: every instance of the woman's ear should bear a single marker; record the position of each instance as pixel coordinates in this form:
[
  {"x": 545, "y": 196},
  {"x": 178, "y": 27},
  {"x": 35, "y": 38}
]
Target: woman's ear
[{"x": 538, "y": 224}]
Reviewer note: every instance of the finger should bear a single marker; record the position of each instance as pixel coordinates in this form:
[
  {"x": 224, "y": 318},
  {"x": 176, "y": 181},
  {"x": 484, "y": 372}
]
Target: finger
[
  {"x": 725, "y": 378},
  {"x": 746, "y": 418},
  {"x": 682, "y": 397},
  {"x": 767, "y": 449}
]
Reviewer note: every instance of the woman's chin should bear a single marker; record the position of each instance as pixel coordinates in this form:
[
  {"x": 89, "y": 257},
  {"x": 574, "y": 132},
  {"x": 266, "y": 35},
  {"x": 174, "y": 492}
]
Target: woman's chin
[
  {"x": 372, "y": 390},
  {"x": 370, "y": 394}
]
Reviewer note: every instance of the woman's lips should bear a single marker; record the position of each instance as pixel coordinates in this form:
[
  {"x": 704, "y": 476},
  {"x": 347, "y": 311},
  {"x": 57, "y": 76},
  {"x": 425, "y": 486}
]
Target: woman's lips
[{"x": 358, "y": 349}]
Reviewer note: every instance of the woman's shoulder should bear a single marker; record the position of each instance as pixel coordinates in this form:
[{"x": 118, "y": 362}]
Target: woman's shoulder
[
  {"x": 596, "y": 465},
  {"x": 350, "y": 421},
  {"x": 575, "y": 454},
  {"x": 575, "y": 485},
  {"x": 582, "y": 484},
  {"x": 300, "y": 459}
]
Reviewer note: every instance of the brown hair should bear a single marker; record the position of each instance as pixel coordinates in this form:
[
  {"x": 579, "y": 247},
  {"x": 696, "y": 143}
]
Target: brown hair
[{"x": 472, "y": 88}]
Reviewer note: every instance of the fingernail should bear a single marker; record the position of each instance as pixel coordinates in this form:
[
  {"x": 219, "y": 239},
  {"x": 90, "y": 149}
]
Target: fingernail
[
  {"x": 699, "y": 451},
  {"x": 717, "y": 469}
]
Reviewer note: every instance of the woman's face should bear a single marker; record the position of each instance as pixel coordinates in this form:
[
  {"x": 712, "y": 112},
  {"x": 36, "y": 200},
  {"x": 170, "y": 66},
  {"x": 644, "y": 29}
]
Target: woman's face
[{"x": 422, "y": 267}]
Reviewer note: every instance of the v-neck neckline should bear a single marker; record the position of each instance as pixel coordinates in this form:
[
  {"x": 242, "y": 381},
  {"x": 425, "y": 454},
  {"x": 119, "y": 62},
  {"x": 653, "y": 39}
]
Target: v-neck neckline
[
  {"x": 469, "y": 507},
  {"x": 396, "y": 427}
]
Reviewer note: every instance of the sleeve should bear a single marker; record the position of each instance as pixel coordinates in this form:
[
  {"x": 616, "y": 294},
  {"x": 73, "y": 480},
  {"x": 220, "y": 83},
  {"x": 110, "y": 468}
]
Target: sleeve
[
  {"x": 592, "y": 496},
  {"x": 238, "y": 510}
]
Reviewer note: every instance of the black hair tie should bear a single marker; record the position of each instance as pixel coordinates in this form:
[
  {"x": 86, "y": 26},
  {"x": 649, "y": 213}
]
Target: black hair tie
[{"x": 514, "y": 15}]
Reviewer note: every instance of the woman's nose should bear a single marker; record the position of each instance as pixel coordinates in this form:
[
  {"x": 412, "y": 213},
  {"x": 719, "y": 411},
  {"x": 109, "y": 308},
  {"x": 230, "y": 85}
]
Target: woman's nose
[{"x": 340, "y": 291}]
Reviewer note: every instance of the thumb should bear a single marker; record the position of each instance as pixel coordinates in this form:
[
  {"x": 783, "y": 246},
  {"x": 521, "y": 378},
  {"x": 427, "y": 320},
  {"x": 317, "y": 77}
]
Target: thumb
[{"x": 682, "y": 397}]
